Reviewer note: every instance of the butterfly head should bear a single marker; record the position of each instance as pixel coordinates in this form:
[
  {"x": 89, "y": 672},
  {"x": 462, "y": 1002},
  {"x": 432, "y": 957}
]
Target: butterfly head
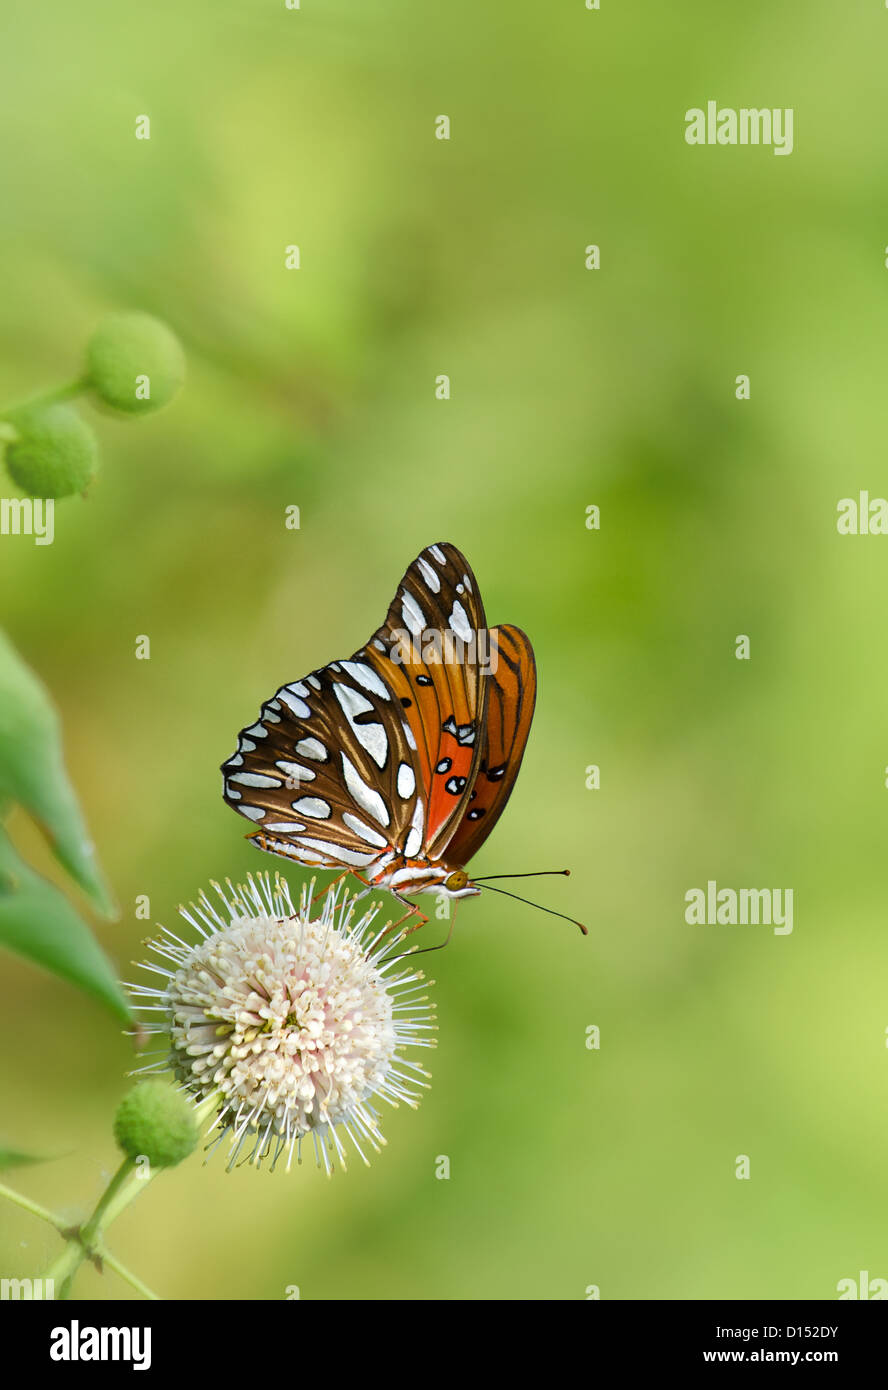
[
  {"x": 457, "y": 884},
  {"x": 411, "y": 876}
]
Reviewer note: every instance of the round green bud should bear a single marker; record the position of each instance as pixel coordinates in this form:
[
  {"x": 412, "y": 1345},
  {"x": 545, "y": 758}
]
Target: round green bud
[
  {"x": 54, "y": 453},
  {"x": 135, "y": 363},
  {"x": 155, "y": 1121}
]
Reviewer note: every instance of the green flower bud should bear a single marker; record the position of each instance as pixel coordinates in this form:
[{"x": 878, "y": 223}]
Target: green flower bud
[
  {"x": 54, "y": 452},
  {"x": 157, "y": 1122},
  {"x": 135, "y": 363}
]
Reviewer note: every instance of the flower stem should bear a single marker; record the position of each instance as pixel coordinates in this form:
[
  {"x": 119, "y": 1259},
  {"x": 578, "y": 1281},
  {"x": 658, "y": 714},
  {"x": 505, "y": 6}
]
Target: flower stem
[
  {"x": 33, "y": 1207},
  {"x": 123, "y": 1188},
  {"x": 58, "y": 393},
  {"x": 113, "y": 1263},
  {"x": 86, "y": 1242},
  {"x": 61, "y": 1272}
]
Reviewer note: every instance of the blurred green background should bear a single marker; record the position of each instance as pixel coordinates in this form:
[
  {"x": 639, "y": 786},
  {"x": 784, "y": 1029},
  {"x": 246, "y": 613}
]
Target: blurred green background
[{"x": 315, "y": 387}]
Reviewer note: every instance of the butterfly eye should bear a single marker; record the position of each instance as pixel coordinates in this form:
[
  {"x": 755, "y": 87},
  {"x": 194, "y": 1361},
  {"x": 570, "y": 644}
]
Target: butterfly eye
[{"x": 457, "y": 880}]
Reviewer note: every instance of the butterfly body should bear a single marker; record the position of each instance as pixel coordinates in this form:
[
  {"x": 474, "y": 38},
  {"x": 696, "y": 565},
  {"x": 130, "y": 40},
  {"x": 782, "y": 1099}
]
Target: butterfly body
[
  {"x": 395, "y": 763},
  {"x": 395, "y": 872}
]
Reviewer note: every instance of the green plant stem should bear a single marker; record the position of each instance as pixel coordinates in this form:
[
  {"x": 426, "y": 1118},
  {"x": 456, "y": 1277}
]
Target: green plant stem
[
  {"x": 83, "y": 1242},
  {"x": 113, "y": 1263},
  {"x": 33, "y": 1207},
  {"x": 86, "y": 1242},
  {"x": 123, "y": 1188},
  {"x": 58, "y": 393}
]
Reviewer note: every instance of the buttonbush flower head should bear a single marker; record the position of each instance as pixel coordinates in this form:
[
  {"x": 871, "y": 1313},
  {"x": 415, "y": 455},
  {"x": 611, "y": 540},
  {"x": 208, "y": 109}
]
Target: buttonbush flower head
[{"x": 297, "y": 1022}]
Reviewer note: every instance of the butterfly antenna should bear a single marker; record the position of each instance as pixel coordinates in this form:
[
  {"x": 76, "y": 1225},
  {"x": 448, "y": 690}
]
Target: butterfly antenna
[
  {"x": 538, "y": 873},
  {"x": 506, "y": 894}
]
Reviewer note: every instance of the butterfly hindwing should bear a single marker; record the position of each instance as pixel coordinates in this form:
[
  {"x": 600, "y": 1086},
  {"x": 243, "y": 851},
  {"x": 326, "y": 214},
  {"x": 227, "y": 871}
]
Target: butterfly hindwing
[
  {"x": 510, "y": 704},
  {"x": 327, "y": 773}
]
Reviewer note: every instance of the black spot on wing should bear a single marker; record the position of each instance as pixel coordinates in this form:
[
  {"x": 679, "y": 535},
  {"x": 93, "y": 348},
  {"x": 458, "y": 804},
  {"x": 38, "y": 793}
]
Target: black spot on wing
[{"x": 463, "y": 733}]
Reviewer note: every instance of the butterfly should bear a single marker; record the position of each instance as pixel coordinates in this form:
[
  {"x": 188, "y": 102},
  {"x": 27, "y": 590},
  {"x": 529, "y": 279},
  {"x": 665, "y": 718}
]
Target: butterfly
[{"x": 396, "y": 763}]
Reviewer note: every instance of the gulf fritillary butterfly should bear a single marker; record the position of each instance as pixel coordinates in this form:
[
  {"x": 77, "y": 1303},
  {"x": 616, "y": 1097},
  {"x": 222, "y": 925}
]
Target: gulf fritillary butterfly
[{"x": 396, "y": 763}]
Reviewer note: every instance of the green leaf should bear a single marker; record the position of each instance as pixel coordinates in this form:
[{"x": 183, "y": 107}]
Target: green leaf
[
  {"x": 12, "y": 1158},
  {"x": 32, "y": 772},
  {"x": 38, "y": 922}
]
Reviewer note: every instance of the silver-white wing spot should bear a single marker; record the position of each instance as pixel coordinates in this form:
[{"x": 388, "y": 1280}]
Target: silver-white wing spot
[
  {"x": 468, "y": 583},
  {"x": 296, "y": 772},
  {"x": 313, "y": 807},
  {"x": 459, "y": 623},
  {"x": 414, "y": 618},
  {"x": 429, "y": 575},
  {"x": 246, "y": 745},
  {"x": 364, "y": 831},
  {"x": 368, "y": 799},
  {"x": 257, "y": 731},
  {"x": 413, "y": 843},
  {"x": 438, "y": 554},
  {"x": 312, "y": 748},
  {"x": 347, "y": 856},
  {"x": 406, "y": 780},
  {"x": 285, "y": 827},
  {"x": 254, "y": 812},
  {"x": 254, "y": 779},
  {"x": 310, "y": 857},
  {"x": 408, "y": 734},
  {"x": 352, "y": 702},
  {"x": 366, "y": 677},
  {"x": 294, "y": 702},
  {"x": 235, "y": 760},
  {"x": 369, "y": 736},
  {"x": 314, "y": 682}
]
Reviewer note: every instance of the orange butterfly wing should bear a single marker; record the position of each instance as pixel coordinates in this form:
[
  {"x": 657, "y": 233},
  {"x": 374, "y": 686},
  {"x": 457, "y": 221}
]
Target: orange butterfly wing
[
  {"x": 423, "y": 738},
  {"x": 510, "y": 703},
  {"x": 443, "y": 700}
]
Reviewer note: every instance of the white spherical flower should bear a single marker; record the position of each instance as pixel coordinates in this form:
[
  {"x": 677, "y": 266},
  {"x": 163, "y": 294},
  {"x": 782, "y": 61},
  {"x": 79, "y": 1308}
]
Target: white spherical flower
[{"x": 295, "y": 1023}]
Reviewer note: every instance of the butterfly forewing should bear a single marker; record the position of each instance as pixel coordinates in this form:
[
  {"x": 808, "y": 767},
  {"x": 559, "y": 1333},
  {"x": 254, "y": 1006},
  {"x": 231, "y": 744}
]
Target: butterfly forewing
[
  {"x": 428, "y": 651},
  {"x": 406, "y": 752},
  {"x": 510, "y": 703}
]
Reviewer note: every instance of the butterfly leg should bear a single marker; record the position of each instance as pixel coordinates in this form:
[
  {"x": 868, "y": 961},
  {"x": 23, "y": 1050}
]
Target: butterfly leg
[
  {"x": 412, "y": 911},
  {"x": 365, "y": 889},
  {"x": 331, "y": 885},
  {"x": 421, "y": 950},
  {"x": 441, "y": 944}
]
